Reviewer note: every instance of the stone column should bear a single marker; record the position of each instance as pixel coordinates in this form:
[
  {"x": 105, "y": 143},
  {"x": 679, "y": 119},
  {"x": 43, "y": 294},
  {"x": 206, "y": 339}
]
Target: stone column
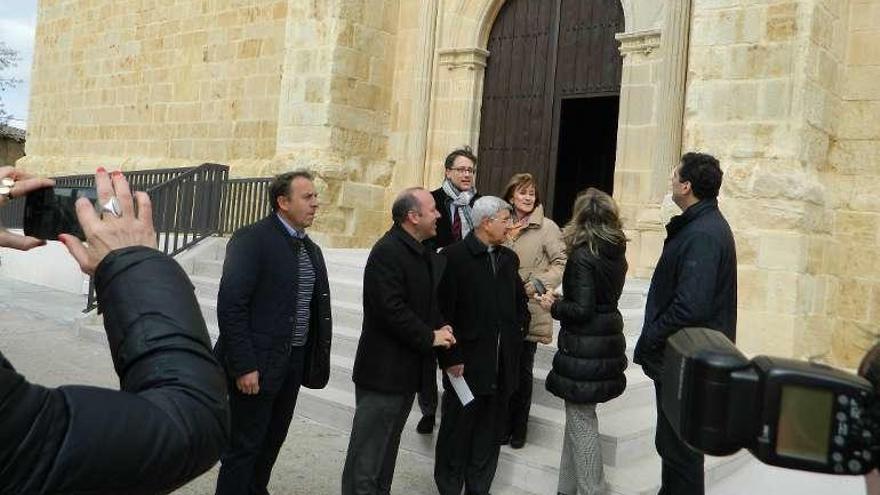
[
  {"x": 455, "y": 115},
  {"x": 421, "y": 109},
  {"x": 670, "y": 111}
]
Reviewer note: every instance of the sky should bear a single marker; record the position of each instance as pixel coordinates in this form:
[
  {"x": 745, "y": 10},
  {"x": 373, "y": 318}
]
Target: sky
[{"x": 18, "y": 20}]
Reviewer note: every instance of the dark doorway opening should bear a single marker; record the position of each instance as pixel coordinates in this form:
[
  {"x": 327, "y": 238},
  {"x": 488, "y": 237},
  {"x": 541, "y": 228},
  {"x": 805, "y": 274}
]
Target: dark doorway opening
[{"x": 586, "y": 152}]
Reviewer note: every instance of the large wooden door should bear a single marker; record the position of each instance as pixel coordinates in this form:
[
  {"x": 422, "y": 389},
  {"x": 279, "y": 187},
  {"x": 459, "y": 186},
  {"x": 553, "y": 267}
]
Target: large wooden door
[{"x": 542, "y": 52}]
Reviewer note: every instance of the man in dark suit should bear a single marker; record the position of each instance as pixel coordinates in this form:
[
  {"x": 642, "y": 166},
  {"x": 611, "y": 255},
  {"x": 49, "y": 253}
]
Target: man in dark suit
[
  {"x": 694, "y": 285},
  {"x": 454, "y": 199},
  {"x": 483, "y": 298},
  {"x": 274, "y": 314},
  {"x": 402, "y": 325}
]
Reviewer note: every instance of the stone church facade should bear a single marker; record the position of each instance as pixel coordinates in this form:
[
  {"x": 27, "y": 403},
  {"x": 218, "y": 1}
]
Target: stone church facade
[{"x": 371, "y": 94}]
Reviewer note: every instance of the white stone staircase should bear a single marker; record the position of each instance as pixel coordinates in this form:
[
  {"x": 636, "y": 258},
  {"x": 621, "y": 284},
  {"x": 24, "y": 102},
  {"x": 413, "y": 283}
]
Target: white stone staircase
[{"x": 626, "y": 424}]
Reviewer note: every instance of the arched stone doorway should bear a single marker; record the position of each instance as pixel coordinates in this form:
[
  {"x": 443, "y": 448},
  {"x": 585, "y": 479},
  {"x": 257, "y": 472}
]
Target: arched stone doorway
[{"x": 550, "y": 98}]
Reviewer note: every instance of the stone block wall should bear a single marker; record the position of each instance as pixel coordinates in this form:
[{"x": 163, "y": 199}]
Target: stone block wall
[
  {"x": 149, "y": 83},
  {"x": 751, "y": 102},
  {"x": 851, "y": 175},
  {"x": 335, "y": 111}
]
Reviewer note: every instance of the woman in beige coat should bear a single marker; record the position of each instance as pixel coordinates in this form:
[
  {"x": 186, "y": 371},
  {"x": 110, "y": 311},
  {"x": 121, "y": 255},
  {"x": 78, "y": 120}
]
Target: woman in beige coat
[{"x": 538, "y": 243}]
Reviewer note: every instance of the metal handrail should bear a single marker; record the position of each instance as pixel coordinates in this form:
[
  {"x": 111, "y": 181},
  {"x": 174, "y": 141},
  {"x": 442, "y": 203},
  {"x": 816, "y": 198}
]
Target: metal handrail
[{"x": 186, "y": 210}]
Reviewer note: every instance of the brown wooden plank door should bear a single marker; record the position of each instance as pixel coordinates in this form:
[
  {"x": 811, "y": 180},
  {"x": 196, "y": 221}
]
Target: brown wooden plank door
[
  {"x": 546, "y": 59},
  {"x": 517, "y": 95}
]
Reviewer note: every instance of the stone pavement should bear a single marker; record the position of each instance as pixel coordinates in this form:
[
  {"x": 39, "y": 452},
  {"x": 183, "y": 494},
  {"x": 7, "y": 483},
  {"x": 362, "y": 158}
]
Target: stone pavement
[{"x": 38, "y": 335}]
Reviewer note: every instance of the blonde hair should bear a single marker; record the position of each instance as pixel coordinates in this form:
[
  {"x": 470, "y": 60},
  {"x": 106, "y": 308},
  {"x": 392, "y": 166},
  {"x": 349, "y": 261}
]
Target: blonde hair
[{"x": 594, "y": 217}]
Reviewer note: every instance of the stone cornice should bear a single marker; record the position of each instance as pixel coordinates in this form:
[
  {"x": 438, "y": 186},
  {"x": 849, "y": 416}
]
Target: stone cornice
[
  {"x": 640, "y": 42},
  {"x": 462, "y": 58}
]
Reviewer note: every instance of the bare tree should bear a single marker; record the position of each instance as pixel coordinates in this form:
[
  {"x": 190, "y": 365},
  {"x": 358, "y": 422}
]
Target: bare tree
[{"x": 9, "y": 57}]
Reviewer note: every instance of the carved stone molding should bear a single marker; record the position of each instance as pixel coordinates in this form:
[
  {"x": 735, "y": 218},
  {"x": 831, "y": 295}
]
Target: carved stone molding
[
  {"x": 639, "y": 42},
  {"x": 462, "y": 58}
]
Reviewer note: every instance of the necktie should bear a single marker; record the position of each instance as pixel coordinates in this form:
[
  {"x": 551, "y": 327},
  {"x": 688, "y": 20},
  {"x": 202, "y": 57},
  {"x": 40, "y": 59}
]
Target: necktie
[{"x": 456, "y": 224}]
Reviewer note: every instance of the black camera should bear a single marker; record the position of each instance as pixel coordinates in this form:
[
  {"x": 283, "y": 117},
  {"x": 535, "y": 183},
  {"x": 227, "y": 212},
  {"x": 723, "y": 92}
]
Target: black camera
[
  {"x": 787, "y": 413},
  {"x": 51, "y": 211}
]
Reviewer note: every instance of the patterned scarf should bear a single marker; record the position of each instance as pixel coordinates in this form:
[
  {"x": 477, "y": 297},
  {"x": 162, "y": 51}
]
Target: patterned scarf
[{"x": 462, "y": 202}]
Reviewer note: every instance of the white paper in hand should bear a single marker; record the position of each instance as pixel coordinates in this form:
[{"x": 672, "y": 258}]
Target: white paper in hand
[{"x": 462, "y": 390}]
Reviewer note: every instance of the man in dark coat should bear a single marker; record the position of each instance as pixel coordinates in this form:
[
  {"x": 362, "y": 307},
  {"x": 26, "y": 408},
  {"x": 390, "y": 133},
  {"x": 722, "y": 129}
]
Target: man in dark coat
[
  {"x": 483, "y": 298},
  {"x": 455, "y": 200},
  {"x": 169, "y": 421},
  {"x": 402, "y": 325},
  {"x": 273, "y": 309},
  {"x": 694, "y": 285}
]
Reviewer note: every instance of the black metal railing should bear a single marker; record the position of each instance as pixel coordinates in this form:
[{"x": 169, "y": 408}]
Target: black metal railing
[
  {"x": 186, "y": 208},
  {"x": 185, "y": 205},
  {"x": 244, "y": 202},
  {"x": 139, "y": 180}
]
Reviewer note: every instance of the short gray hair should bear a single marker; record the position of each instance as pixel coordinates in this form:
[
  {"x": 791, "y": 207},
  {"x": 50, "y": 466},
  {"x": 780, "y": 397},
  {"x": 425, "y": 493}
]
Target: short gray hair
[{"x": 488, "y": 207}]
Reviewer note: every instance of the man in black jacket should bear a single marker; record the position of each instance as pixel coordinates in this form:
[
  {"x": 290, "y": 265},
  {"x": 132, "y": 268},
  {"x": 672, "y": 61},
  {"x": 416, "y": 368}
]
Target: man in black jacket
[
  {"x": 455, "y": 200},
  {"x": 169, "y": 421},
  {"x": 483, "y": 298},
  {"x": 402, "y": 325},
  {"x": 694, "y": 285},
  {"x": 273, "y": 309}
]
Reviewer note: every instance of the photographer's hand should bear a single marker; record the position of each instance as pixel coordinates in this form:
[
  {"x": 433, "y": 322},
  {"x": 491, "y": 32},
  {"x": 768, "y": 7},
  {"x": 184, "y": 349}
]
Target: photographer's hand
[
  {"x": 109, "y": 232},
  {"x": 24, "y": 184}
]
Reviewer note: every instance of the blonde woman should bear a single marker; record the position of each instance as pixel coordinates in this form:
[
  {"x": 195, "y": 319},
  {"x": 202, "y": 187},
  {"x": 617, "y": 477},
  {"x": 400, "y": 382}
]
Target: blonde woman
[
  {"x": 538, "y": 243},
  {"x": 588, "y": 368}
]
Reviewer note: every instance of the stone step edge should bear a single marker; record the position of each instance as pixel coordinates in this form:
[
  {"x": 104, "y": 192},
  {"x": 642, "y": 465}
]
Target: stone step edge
[{"x": 621, "y": 479}]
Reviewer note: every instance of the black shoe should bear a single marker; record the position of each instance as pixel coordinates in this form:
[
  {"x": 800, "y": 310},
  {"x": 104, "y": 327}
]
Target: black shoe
[
  {"x": 504, "y": 440},
  {"x": 517, "y": 443},
  {"x": 426, "y": 425}
]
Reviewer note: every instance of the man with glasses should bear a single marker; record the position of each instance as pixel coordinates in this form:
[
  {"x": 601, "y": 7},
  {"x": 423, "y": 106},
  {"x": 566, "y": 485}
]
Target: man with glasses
[
  {"x": 483, "y": 298},
  {"x": 454, "y": 199}
]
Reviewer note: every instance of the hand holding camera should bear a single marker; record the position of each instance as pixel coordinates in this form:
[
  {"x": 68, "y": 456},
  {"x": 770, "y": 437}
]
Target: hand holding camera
[{"x": 117, "y": 227}]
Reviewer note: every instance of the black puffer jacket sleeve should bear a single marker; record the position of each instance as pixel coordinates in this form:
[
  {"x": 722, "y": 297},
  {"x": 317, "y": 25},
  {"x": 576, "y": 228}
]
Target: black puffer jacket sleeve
[{"x": 167, "y": 425}]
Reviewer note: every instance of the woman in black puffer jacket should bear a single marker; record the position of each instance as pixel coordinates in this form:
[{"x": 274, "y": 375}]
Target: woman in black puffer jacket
[{"x": 588, "y": 367}]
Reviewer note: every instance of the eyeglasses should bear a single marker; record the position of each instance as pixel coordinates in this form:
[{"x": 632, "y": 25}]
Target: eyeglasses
[
  {"x": 506, "y": 221},
  {"x": 464, "y": 170}
]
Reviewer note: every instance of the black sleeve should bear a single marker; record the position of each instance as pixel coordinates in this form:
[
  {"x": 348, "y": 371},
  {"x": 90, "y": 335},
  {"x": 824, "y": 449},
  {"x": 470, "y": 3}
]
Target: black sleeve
[
  {"x": 579, "y": 304},
  {"x": 523, "y": 316},
  {"x": 241, "y": 269},
  {"x": 385, "y": 290},
  {"x": 169, "y": 422}
]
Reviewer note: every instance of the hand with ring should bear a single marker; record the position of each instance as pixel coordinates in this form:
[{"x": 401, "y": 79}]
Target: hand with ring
[
  {"x": 15, "y": 184},
  {"x": 116, "y": 228}
]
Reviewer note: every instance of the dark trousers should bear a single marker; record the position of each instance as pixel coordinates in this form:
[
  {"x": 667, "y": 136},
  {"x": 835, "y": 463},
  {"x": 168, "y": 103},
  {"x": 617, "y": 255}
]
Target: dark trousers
[
  {"x": 379, "y": 419},
  {"x": 467, "y": 444},
  {"x": 428, "y": 397},
  {"x": 682, "y": 472},
  {"x": 521, "y": 400},
  {"x": 259, "y": 426}
]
